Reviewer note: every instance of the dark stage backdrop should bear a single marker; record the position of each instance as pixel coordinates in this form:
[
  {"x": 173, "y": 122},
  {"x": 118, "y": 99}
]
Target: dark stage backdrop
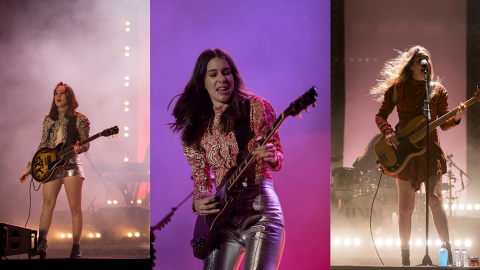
[
  {"x": 281, "y": 49},
  {"x": 374, "y": 30}
]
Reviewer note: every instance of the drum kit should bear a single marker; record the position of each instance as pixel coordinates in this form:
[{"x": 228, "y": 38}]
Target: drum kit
[{"x": 352, "y": 200}]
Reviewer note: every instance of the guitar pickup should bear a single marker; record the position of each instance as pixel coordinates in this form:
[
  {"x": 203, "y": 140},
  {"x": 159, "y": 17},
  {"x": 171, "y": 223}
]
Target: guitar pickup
[{"x": 383, "y": 157}]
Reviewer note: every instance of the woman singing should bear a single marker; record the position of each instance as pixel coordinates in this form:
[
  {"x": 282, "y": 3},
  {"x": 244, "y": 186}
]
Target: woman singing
[
  {"x": 402, "y": 86},
  {"x": 64, "y": 125},
  {"x": 206, "y": 113}
]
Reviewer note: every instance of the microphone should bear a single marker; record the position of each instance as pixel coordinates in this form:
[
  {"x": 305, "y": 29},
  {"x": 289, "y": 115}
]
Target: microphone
[{"x": 424, "y": 63}]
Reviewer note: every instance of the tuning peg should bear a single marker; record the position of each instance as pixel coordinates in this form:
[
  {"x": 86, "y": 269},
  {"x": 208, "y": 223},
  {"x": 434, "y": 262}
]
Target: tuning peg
[
  {"x": 307, "y": 110},
  {"x": 299, "y": 116},
  {"x": 314, "y": 105}
]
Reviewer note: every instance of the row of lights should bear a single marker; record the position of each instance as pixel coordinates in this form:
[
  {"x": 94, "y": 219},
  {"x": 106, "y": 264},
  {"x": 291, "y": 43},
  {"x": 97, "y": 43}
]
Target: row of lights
[
  {"x": 115, "y": 202},
  {"x": 90, "y": 235},
  {"x": 462, "y": 206},
  {"x": 127, "y": 84},
  {"x": 380, "y": 242}
]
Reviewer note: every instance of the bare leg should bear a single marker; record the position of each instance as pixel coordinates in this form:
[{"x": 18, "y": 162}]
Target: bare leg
[
  {"x": 73, "y": 188},
  {"x": 435, "y": 202},
  {"x": 50, "y": 193},
  {"x": 406, "y": 203}
]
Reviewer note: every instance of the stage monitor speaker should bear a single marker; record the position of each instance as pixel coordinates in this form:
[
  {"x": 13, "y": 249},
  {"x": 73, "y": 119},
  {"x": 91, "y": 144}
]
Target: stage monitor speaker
[{"x": 16, "y": 240}]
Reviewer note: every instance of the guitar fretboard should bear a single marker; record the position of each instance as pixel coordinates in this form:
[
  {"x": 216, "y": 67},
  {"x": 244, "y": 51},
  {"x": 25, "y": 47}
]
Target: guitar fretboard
[
  {"x": 417, "y": 136},
  {"x": 69, "y": 149}
]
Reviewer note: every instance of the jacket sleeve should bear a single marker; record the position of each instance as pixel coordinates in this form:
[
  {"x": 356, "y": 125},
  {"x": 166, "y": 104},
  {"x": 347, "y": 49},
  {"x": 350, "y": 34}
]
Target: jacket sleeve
[
  {"x": 263, "y": 116},
  {"x": 83, "y": 127},
  {"x": 200, "y": 171},
  {"x": 443, "y": 109},
  {"x": 384, "y": 111}
]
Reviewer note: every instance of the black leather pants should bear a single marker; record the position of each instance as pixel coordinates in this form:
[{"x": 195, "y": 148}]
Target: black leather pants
[{"x": 255, "y": 230}]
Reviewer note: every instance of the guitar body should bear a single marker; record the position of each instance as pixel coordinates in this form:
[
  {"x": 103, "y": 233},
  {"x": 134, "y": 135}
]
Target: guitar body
[
  {"x": 206, "y": 227},
  {"x": 394, "y": 160},
  {"x": 46, "y": 162}
]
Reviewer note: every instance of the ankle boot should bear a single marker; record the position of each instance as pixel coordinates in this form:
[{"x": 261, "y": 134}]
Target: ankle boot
[
  {"x": 76, "y": 253},
  {"x": 42, "y": 247},
  {"x": 450, "y": 257},
  {"x": 405, "y": 257}
]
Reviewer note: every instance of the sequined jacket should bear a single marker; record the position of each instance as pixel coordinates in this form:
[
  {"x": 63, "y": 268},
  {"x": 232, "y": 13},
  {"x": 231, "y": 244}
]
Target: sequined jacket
[
  {"x": 51, "y": 127},
  {"x": 217, "y": 151}
]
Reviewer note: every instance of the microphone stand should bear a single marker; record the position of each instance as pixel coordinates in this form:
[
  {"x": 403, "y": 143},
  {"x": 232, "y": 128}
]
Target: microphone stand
[{"x": 426, "y": 113}]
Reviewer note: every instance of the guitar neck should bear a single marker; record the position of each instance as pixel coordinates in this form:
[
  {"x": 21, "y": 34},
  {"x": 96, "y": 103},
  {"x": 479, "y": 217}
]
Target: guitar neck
[
  {"x": 249, "y": 159},
  {"x": 417, "y": 136},
  {"x": 69, "y": 149}
]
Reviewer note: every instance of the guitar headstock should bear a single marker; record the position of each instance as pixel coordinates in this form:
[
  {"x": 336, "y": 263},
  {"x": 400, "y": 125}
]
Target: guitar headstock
[
  {"x": 476, "y": 95},
  {"x": 302, "y": 102},
  {"x": 109, "y": 131}
]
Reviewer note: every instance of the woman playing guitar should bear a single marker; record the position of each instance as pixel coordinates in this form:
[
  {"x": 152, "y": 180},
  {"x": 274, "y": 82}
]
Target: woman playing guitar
[
  {"x": 63, "y": 125},
  {"x": 402, "y": 86},
  {"x": 206, "y": 115}
]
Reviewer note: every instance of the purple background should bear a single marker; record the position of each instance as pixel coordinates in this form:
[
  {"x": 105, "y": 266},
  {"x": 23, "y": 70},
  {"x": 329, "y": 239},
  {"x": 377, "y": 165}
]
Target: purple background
[{"x": 281, "y": 50}]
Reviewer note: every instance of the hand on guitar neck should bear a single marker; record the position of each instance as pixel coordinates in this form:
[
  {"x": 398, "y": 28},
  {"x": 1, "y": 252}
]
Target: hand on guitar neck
[{"x": 462, "y": 109}]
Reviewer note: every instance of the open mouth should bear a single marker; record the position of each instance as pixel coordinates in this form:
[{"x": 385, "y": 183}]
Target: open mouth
[{"x": 223, "y": 89}]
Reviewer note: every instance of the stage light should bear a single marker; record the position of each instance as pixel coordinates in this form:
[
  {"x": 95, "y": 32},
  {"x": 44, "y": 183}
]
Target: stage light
[
  {"x": 458, "y": 242},
  {"x": 476, "y": 206},
  {"x": 137, "y": 234},
  {"x": 125, "y": 128},
  {"x": 125, "y": 159},
  {"x": 125, "y": 134},
  {"x": 454, "y": 206},
  {"x": 127, "y": 23},
  {"x": 469, "y": 206},
  {"x": 389, "y": 242},
  {"x": 62, "y": 235},
  {"x": 429, "y": 242},
  {"x": 127, "y": 29},
  {"x": 418, "y": 242},
  {"x": 98, "y": 235},
  {"x": 90, "y": 235},
  {"x": 129, "y": 234},
  {"x": 127, "y": 109},
  {"x": 468, "y": 243},
  {"x": 347, "y": 241},
  {"x": 461, "y": 206},
  {"x": 379, "y": 242},
  {"x": 127, "y": 48},
  {"x": 69, "y": 235},
  {"x": 398, "y": 242},
  {"x": 109, "y": 202},
  {"x": 438, "y": 242},
  {"x": 356, "y": 242},
  {"x": 115, "y": 202},
  {"x": 445, "y": 205},
  {"x": 127, "y": 54},
  {"x": 126, "y": 103},
  {"x": 127, "y": 78},
  {"x": 337, "y": 241},
  {"x": 139, "y": 201},
  {"x": 127, "y": 84}
]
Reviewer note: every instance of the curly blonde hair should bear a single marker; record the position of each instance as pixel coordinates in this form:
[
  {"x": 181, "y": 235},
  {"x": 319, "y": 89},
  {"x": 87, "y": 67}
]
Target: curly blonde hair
[{"x": 398, "y": 70}]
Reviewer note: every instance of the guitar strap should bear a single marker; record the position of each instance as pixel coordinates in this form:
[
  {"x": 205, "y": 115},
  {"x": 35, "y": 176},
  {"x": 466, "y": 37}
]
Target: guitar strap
[
  {"x": 71, "y": 131},
  {"x": 242, "y": 130}
]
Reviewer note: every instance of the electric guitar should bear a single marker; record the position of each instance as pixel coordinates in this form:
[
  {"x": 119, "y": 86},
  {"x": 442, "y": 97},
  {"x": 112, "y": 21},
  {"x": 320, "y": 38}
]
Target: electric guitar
[
  {"x": 46, "y": 161},
  {"x": 394, "y": 160},
  {"x": 206, "y": 227}
]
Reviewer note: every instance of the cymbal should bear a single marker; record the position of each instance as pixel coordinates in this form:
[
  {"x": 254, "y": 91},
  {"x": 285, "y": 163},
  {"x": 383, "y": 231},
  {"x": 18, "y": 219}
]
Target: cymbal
[{"x": 335, "y": 156}]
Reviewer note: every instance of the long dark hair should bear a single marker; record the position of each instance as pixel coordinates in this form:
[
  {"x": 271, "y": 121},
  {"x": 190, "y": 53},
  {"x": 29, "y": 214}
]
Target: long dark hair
[
  {"x": 71, "y": 102},
  {"x": 194, "y": 108}
]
